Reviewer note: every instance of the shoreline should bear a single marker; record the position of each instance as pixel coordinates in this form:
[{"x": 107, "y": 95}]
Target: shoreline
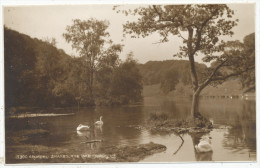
[{"x": 132, "y": 153}]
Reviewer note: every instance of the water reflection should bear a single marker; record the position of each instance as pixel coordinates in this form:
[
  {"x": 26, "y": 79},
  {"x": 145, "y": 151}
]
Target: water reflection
[
  {"x": 200, "y": 155},
  {"x": 228, "y": 143},
  {"x": 239, "y": 134},
  {"x": 83, "y": 133},
  {"x": 99, "y": 128},
  {"x": 243, "y": 131},
  {"x": 174, "y": 108},
  {"x": 89, "y": 136}
]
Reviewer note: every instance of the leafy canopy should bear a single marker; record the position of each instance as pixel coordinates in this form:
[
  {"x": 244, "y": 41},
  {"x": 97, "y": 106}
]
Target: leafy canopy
[
  {"x": 199, "y": 26},
  {"x": 87, "y": 36}
]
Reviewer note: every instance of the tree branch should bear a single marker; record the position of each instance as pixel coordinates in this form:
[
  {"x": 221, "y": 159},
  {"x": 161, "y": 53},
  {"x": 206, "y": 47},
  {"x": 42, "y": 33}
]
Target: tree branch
[
  {"x": 181, "y": 35},
  {"x": 161, "y": 41},
  {"x": 182, "y": 141},
  {"x": 208, "y": 19},
  {"x": 93, "y": 141},
  {"x": 197, "y": 44},
  {"x": 162, "y": 26},
  {"x": 249, "y": 89},
  {"x": 232, "y": 74},
  {"x": 212, "y": 75},
  {"x": 199, "y": 30},
  {"x": 160, "y": 15}
]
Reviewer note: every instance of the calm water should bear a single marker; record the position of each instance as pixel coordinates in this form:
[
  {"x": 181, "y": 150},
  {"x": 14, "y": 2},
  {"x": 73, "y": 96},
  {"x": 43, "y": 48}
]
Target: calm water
[{"x": 236, "y": 143}]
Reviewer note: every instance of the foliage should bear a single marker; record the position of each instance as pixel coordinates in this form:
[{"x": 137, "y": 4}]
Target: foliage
[
  {"x": 208, "y": 22},
  {"x": 158, "y": 116},
  {"x": 171, "y": 79},
  {"x": 37, "y": 74},
  {"x": 127, "y": 82},
  {"x": 15, "y": 52},
  {"x": 87, "y": 37},
  {"x": 117, "y": 82},
  {"x": 201, "y": 28},
  {"x": 31, "y": 69},
  {"x": 248, "y": 78},
  {"x": 90, "y": 39},
  {"x": 203, "y": 24},
  {"x": 168, "y": 73}
]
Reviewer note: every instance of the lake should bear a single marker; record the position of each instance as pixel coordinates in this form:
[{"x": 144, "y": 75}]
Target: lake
[{"x": 234, "y": 139}]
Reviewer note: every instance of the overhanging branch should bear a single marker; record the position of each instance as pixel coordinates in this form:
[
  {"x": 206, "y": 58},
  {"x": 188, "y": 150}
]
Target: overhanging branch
[
  {"x": 232, "y": 74},
  {"x": 181, "y": 35},
  {"x": 212, "y": 74},
  {"x": 248, "y": 89}
]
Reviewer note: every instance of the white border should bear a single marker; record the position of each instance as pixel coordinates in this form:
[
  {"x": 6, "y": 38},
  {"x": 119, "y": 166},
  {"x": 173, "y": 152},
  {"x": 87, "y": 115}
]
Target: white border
[{"x": 167, "y": 165}]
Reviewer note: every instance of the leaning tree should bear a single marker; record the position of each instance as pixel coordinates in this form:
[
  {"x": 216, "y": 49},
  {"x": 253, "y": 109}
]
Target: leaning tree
[{"x": 201, "y": 29}]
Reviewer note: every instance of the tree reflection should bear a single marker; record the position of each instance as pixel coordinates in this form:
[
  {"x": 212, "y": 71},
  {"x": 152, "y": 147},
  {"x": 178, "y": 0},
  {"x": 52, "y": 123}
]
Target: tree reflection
[{"x": 243, "y": 132}]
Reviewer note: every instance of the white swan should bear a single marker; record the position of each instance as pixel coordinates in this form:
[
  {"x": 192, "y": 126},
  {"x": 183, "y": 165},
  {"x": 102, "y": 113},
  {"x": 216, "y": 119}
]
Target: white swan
[
  {"x": 204, "y": 145},
  {"x": 100, "y": 122},
  {"x": 83, "y": 127}
]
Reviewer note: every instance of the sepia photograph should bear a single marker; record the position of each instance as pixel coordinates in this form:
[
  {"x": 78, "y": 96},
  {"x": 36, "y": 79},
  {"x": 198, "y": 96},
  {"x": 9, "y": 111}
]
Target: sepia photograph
[{"x": 120, "y": 83}]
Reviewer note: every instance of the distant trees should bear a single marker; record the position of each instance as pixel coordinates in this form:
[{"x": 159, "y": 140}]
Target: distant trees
[
  {"x": 170, "y": 80},
  {"x": 200, "y": 27},
  {"x": 248, "y": 77},
  {"x": 168, "y": 73},
  {"x": 127, "y": 82}
]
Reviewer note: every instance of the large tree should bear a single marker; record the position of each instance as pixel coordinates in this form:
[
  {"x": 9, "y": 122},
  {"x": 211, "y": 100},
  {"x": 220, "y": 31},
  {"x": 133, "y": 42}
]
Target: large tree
[
  {"x": 88, "y": 37},
  {"x": 201, "y": 28}
]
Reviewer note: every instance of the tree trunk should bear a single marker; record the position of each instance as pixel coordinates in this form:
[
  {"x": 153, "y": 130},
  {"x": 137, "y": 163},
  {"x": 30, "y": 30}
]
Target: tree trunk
[
  {"x": 91, "y": 82},
  {"x": 194, "y": 78},
  {"x": 195, "y": 103},
  {"x": 91, "y": 86}
]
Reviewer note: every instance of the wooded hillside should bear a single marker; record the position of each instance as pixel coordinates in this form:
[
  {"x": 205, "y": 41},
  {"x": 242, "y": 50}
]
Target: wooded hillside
[{"x": 37, "y": 74}]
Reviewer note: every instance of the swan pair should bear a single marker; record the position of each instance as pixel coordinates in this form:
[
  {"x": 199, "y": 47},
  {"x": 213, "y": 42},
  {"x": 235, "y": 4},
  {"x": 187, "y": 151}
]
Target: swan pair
[
  {"x": 204, "y": 145},
  {"x": 82, "y": 127}
]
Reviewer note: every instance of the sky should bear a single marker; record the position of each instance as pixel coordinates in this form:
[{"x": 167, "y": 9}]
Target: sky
[{"x": 50, "y": 22}]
